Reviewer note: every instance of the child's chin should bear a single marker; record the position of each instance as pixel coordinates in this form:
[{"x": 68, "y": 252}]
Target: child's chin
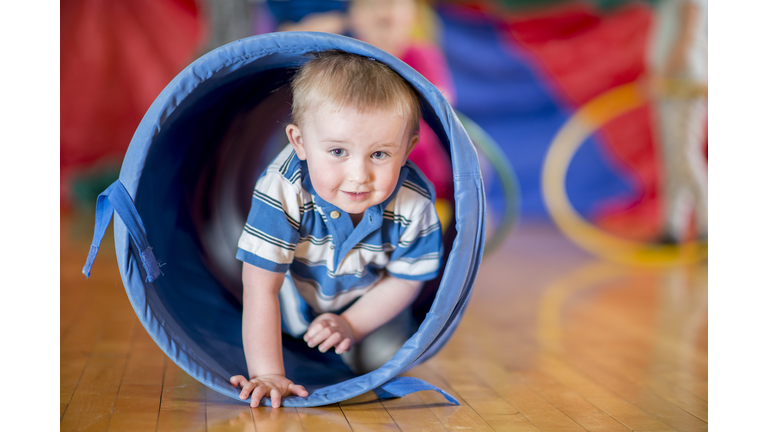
[
  {"x": 357, "y": 207},
  {"x": 354, "y": 210},
  {"x": 354, "y": 207}
]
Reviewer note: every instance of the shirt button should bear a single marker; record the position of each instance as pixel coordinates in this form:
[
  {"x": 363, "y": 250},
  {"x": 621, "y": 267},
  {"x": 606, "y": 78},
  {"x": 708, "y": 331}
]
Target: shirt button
[{"x": 335, "y": 214}]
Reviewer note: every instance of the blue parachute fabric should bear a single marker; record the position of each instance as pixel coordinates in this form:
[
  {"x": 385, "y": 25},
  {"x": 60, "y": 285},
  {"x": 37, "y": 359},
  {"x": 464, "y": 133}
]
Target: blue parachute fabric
[{"x": 182, "y": 168}]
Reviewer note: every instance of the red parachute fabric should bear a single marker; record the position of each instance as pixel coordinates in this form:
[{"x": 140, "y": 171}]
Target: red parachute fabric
[
  {"x": 586, "y": 53},
  {"x": 116, "y": 57}
]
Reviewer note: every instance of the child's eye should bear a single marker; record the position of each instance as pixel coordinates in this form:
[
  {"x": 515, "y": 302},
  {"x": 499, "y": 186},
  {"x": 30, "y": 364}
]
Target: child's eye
[
  {"x": 379, "y": 155},
  {"x": 338, "y": 152}
]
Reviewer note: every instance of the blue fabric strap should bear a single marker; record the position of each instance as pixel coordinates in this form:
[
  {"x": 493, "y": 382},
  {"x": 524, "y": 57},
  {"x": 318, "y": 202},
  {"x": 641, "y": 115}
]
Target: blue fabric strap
[
  {"x": 401, "y": 386},
  {"x": 116, "y": 198}
]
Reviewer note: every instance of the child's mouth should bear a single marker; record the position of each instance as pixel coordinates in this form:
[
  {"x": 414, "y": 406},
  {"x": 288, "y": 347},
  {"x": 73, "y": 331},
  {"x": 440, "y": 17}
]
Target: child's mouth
[{"x": 356, "y": 196}]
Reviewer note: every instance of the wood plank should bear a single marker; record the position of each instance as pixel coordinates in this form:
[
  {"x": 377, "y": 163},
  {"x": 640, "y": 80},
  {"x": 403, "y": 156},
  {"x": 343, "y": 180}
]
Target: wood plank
[
  {"x": 94, "y": 397},
  {"x": 136, "y": 408},
  {"x": 451, "y": 416},
  {"x": 642, "y": 365},
  {"x": 484, "y": 400},
  {"x": 277, "y": 420},
  {"x": 680, "y": 398},
  {"x": 72, "y": 366},
  {"x": 183, "y": 401},
  {"x": 146, "y": 362},
  {"x": 181, "y": 415},
  {"x": 85, "y": 330},
  {"x": 102, "y": 295},
  {"x": 180, "y": 386},
  {"x": 410, "y": 413},
  {"x": 116, "y": 333},
  {"x": 73, "y": 299},
  {"x": 375, "y": 427},
  {"x": 688, "y": 382},
  {"x": 642, "y": 398},
  {"x": 666, "y": 338},
  {"x": 571, "y": 404},
  {"x": 99, "y": 336},
  {"x": 617, "y": 407},
  {"x": 73, "y": 251},
  {"x": 365, "y": 409},
  {"x": 508, "y": 387},
  {"x": 224, "y": 414},
  {"x": 138, "y": 402},
  {"x": 668, "y": 379},
  {"x": 644, "y": 376},
  {"x": 328, "y": 418},
  {"x": 650, "y": 351},
  {"x": 104, "y": 324}
]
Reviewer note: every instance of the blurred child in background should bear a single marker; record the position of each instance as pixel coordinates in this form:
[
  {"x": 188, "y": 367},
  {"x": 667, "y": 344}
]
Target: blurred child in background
[{"x": 677, "y": 62}]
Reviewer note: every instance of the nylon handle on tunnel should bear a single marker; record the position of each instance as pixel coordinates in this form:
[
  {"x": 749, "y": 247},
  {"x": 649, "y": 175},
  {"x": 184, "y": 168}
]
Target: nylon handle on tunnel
[
  {"x": 116, "y": 199},
  {"x": 401, "y": 386}
]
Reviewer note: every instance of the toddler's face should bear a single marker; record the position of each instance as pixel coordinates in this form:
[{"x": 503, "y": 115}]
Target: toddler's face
[
  {"x": 354, "y": 158},
  {"x": 386, "y": 24}
]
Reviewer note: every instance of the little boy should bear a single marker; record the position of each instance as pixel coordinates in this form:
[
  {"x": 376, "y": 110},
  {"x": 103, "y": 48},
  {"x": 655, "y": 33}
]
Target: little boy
[{"x": 342, "y": 229}]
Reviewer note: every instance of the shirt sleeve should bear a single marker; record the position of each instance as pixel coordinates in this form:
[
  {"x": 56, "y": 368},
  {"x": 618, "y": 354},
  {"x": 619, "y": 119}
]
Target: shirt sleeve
[
  {"x": 419, "y": 250},
  {"x": 271, "y": 231}
]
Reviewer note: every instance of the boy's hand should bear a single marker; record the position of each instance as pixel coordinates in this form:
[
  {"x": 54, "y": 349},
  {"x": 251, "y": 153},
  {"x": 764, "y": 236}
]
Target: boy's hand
[
  {"x": 273, "y": 386},
  {"x": 330, "y": 330}
]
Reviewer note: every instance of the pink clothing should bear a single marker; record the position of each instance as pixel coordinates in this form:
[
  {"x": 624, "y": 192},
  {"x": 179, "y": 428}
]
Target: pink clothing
[
  {"x": 430, "y": 155},
  {"x": 429, "y": 61}
]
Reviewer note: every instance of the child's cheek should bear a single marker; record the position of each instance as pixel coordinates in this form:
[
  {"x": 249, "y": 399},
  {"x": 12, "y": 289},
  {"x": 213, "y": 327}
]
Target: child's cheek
[{"x": 325, "y": 184}]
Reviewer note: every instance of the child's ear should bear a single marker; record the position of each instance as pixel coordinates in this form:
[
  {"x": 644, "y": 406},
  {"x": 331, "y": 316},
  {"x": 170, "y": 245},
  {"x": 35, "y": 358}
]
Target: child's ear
[
  {"x": 411, "y": 145},
  {"x": 294, "y": 136}
]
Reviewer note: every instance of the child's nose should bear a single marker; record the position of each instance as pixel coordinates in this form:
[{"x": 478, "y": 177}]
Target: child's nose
[{"x": 360, "y": 173}]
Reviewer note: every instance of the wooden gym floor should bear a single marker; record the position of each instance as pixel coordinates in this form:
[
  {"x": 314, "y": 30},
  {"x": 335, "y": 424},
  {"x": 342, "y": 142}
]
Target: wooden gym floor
[{"x": 553, "y": 340}]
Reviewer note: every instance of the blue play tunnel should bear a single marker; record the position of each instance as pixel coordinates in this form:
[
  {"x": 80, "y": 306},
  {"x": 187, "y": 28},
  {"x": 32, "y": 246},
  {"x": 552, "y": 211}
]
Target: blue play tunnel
[{"x": 184, "y": 193}]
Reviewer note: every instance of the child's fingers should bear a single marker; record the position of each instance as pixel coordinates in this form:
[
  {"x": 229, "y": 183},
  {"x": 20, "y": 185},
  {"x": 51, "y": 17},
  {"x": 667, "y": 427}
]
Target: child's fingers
[
  {"x": 275, "y": 396},
  {"x": 298, "y": 390},
  {"x": 238, "y": 380},
  {"x": 315, "y": 328},
  {"x": 248, "y": 387},
  {"x": 258, "y": 393},
  {"x": 343, "y": 346},
  {"x": 332, "y": 340},
  {"x": 312, "y": 330},
  {"x": 319, "y": 337}
]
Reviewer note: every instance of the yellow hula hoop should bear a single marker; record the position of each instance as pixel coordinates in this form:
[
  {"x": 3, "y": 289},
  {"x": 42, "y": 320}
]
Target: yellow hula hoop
[{"x": 586, "y": 121}]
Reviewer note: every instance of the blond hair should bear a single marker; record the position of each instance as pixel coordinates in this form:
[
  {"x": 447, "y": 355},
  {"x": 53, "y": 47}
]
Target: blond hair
[{"x": 350, "y": 80}]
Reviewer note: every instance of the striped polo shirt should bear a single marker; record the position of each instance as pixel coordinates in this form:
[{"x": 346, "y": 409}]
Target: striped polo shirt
[{"x": 329, "y": 262}]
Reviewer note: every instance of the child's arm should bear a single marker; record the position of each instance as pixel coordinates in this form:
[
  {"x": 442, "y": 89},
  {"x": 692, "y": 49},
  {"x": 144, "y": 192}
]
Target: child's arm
[
  {"x": 379, "y": 305},
  {"x": 262, "y": 340}
]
